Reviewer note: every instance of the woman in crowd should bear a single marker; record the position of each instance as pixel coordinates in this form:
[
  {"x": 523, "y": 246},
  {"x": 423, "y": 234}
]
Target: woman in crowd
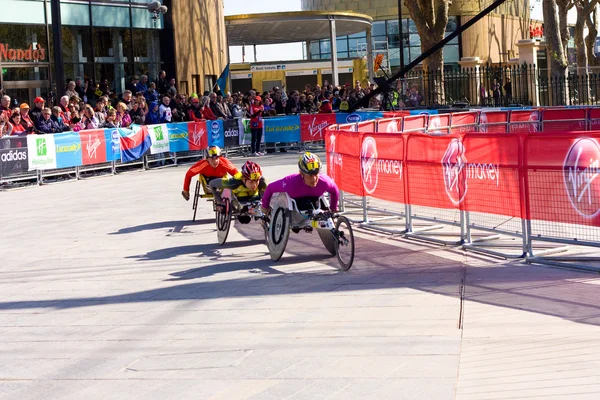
[
  {"x": 89, "y": 120},
  {"x": 59, "y": 122},
  {"x": 136, "y": 113},
  {"x": 17, "y": 127},
  {"x": 123, "y": 118},
  {"x": 195, "y": 111},
  {"x": 111, "y": 120}
]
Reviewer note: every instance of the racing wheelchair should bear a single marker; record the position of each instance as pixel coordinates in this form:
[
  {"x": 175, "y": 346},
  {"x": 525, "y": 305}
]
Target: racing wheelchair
[
  {"x": 308, "y": 214},
  {"x": 201, "y": 191},
  {"x": 232, "y": 208}
]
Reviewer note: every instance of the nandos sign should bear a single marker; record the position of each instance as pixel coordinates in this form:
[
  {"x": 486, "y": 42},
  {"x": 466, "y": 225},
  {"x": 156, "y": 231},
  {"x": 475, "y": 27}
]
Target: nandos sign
[{"x": 8, "y": 53}]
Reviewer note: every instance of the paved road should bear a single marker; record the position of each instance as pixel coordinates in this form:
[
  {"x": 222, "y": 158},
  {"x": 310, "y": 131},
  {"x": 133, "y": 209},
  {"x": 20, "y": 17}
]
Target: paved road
[{"x": 108, "y": 291}]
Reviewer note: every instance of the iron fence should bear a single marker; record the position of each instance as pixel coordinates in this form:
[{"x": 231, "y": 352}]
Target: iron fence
[{"x": 500, "y": 86}]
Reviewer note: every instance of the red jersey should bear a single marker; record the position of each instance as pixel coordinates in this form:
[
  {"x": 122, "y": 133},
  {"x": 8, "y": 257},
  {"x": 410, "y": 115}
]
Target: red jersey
[
  {"x": 202, "y": 167},
  {"x": 256, "y": 122}
]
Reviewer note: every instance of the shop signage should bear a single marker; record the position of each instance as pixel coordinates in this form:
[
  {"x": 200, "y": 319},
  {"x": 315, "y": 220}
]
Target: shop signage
[
  {"x": 8, "y": 53},
  {"x": 301, "y": 72}
]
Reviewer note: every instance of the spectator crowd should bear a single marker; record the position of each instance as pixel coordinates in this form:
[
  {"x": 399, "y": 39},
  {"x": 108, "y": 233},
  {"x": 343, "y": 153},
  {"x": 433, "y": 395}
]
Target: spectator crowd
[{"x": 88, "y": 106}]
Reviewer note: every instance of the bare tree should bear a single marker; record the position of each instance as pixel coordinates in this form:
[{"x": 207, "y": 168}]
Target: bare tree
[
  {"x": 430, "y": 18},
  {"x": 556, "y": 50},
  {"x": 590, "y": 40}
]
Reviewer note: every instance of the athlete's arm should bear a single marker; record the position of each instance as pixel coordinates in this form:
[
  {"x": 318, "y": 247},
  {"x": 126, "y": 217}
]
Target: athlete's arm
[
  {"x": 273, "y": 187},
  {"x": 193, "y": 171},
  {"x": 230, "y": 168},
  {"x": 334, "y": 192}
]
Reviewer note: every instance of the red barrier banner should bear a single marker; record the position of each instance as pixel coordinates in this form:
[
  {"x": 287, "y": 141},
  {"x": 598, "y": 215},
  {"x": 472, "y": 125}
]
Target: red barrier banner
[
  {"x": 93, "y": 146},
  {"x": 414, "y": 123},
  {"x": 492, "y": 165},
  {"x": 343, "y": 160},
  {"x": 493, "y": 122},
  {"x": 366, "y": 126},
  {"x": 434, "y": 173},
  {"x": 524, "y": 121},
  {"x": 564, "y": 120},
  {"x": 464, "y": 122},
  {"x": 382, "y": 167},
  {"x": 594, "y": 118},
  {"x": 561, "y": 177},
  {"x": 312, "y": 126},
  {"x": 197, "y": 136},
  {"x": 389, "y": 125},
  {"x": 438, "y": 124},
  {"x": 395, "y": 114}
]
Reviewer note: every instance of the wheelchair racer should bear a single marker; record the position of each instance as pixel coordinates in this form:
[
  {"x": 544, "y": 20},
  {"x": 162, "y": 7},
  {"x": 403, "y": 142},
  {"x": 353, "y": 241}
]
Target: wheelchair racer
[
  {"x": 215, "y": 166},
  {"x": 247, "y": 186},
  {"x": 305, "y": 187}
]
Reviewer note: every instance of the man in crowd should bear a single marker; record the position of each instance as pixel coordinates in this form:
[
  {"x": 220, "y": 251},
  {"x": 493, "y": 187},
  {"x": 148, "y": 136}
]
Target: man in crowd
[{"x": 36, "y": 113}]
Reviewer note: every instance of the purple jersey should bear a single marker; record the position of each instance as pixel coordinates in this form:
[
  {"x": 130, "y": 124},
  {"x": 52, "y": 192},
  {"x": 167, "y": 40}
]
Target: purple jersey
[{"x": 295, "y": 187}]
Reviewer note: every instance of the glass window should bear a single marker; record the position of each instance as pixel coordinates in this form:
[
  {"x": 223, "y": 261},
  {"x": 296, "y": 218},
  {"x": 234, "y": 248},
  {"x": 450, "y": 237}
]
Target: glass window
[
  {"x": 378, "y": 28},
  {"x": 325, "y": 56},
  {"x": 358, "y": 35},
  {"x": 23, "y": 12},
  {"x": 74, "y": 14},
  {"x": 29, "y": 43},
  {"x": 392, "y": 27},
  {"x": 74, "y": 70},
  {"x": 112, "y": 45},
  {"x": 24, "y": 73},
  {"x": 405, "y": 24},
  {"x": 314, "y": 48},
  {"x": 451, "y": 54},
  {"x": 342, "y": 54},
  {"x": 110, "y": 16},
  {"x": 342, "y": 44},
  {"x": 146, "y": 45},
  {"x": 143, "y": 19},
  {"x": 411, "y": 26},
  {"x": 76, "y": 44},
  {"x": 452, "y": 24},
  {"x": 414, "y": 39},
  {"x": 325, "y": 46}
]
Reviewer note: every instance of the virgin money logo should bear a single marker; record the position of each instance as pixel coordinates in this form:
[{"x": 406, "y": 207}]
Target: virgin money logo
[
  {"x": 454, "y": 163},
  {"x": 353, "y": 118},
  {"x": 92, "y": 146},
  {"x": 580, "y": 170},
  {"x": 368, "y": 167},
  {"x": 315, "y": 129},
  {"x": 334, "y": 158},
  {"x": 483, "y": 121},
  {"x": 197, "y": 136},
  {"x": 435, "y": 125},
  {"x": 533, "y": 122},
  {"x": 392, "y": 127}
]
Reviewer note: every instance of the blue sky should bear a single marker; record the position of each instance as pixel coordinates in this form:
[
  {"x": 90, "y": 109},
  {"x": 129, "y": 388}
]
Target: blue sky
[{"x": 277, "y": 52}]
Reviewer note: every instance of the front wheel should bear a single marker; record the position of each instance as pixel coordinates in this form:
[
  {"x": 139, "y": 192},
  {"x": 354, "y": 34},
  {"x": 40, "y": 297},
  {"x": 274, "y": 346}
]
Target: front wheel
[
  {"x": 223, "y": 218},
  {"x": 279, "y": 233},
  {"x": 344, "y": 244}
]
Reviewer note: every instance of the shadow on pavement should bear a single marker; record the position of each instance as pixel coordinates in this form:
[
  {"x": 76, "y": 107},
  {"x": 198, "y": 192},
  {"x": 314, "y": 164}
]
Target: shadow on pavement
[
  {"x": 379, "y": 266},
  {"x": 201, "y": 250},
  {"x": 176, "y": 226}
]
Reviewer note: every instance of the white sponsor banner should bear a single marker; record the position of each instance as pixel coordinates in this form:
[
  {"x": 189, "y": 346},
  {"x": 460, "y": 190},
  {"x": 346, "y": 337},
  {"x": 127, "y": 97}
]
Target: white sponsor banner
[
  {"x": 246, "y": 75},
  {"x": 301, "y": 72},
  {"x": 160, "y": 138},
  {"x": 41, "y": 151},
  {"x": 340, "y": 71}
]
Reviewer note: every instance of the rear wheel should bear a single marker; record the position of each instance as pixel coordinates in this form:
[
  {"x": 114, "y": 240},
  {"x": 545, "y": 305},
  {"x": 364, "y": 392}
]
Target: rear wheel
[
  {"x": 279, "y": 233},
  {"x": 345, "y": 243},
  {"x": 223, "y": 217}
]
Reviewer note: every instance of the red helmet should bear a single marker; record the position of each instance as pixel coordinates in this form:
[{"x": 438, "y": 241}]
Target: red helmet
[{"x": 252, "y": 171}]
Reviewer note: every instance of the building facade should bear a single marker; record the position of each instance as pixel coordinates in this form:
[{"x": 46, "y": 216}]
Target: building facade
[
  {"x": 493, "y": 39},
  {"x": 109, "y": 40}
]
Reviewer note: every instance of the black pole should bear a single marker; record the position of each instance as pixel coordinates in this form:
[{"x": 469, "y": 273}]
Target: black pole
[
  {"x": 92, "y": 48},
  {"x": 400, "y": 34},
  {"x": 131, "y": 57},
  {"x": 424, "y": 55},
  {"x": 59, "y": 66}
]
